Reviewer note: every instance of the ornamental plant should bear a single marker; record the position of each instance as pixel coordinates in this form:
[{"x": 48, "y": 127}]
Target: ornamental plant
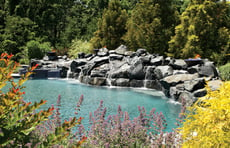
[
  {"x": 18, "y": 118},
  {"x": 146, "y": 130},
  {"x": 208, "y": 122}
]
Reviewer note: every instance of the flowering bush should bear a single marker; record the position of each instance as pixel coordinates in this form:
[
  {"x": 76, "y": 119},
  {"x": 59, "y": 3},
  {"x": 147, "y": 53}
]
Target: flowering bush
[
  {"x": 208, "y": 122},
  {"x": 146, "y": 130},
  {"x": 19, "y": 119}
]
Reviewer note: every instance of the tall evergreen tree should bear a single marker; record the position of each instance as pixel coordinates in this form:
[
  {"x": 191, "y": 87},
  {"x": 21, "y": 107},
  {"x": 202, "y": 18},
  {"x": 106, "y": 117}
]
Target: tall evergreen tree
[
  {"x": 204, "y": 30},
  {"x": 151, "y": 25},
  {"x": 111, "y": 27}
]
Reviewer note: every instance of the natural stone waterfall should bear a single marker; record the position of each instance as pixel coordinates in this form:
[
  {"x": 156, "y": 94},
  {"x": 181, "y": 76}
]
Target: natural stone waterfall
[{"x": 177, "y": 78}]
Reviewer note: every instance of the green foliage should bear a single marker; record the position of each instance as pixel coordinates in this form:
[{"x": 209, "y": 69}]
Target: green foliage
[
  {"x": 16, "y": 33},
  {"x": 208, "y": 122},
  {"x": 203, "y": 30},
  {"x": 225, "y": 72},
  {"x": 37, "y": 50},
  {"x": 111, "y": 27},
  {"x": 19, "y": 119},
  {"x": 79, "y": 46},
  {"x": 151, "y": 25}
]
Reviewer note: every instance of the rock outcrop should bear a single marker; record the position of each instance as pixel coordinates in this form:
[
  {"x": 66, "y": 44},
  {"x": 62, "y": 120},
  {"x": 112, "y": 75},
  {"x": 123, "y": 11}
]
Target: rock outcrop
[{"x": 177, "y": 78}]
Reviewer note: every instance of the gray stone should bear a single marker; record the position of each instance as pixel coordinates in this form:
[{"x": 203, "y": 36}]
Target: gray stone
[
  {"x": 200, "y": 93},
  {"x": 137, "y": 69},
  {"x": 168, "y": 60},
  {"x": 215, "y": 84},
  {"x": 84, "y": 79},
  {"x": 103, "y": 52},
  {"x": 120, "y": 82},
  {"x": 99, "y": 81},
  {"x": 86, "y": 70},
  {"x": 141, "y": 51},
  {"x": 121, "y": 50},
  {"x": 178, "y": 64},
  {"x": 121, "y": 72},
  {"x": 173, "y": 80},
  {"x": 81, "y": 55},
  {"x": 174, "y": 92},
  {"x": 176, "y": 72},
  {"x": 163, "y": 71},
  {"x": 113, "y": 57},
  {"x": 193, "y": 69},
  {"x": 150, "y": 73},
  {"x": 129, "y": 53},
  {"x": 88, "y": 55},
  {"x": 100, "y": 60},
  {"x": 153, "y": 84},
  {"x": 100, "y": 71},
  {"x": 157, "y": 61},
  {"x": 136, "y": 83},
  {"x": 45, "y": 58},
  {"x": 208, "y": 70},
  {"x": 195, "y": 84},
  {"x": 77, "y": 63},
  {"x": 146, "y": 59},
  {"x": 186, "y": 97}
]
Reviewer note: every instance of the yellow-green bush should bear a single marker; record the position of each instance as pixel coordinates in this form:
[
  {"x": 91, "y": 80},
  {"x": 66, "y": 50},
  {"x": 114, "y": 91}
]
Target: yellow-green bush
[
  {"x": 225, "y": 72},
  {"x": 208, "y": 122},
  {"x": 79, "y": 46}
]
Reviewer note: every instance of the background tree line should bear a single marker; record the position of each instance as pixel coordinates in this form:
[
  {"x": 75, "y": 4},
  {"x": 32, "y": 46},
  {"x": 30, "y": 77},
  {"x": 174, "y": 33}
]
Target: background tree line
[{"x": 178, "y": 28}]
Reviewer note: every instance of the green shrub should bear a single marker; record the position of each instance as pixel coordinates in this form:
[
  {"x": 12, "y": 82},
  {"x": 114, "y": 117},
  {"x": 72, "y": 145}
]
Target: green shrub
[
  {"x": 36, "y": 49},
  {"x": 225, "y": 72},
  {"x": 79, "y": 46}
]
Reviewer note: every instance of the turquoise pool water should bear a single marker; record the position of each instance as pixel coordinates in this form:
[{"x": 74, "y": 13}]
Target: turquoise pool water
[{"x": 128, "y": 98}]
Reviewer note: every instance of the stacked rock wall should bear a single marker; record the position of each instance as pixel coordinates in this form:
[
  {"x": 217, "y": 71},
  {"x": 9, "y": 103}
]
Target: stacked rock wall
[{"x": 177, "y": 78}]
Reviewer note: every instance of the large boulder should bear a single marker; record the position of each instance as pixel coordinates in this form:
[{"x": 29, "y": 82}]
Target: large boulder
[
  {"x": 195, "y": 84},
  {"x": 136, "y": 83},
  {"x": 186, "y": 97},
  {"x": 113, "y": 57},
  {"x": 215, "y": 84},
  {"x": 175, "y": 91},
  {"x": 163, "y": 71},
  {"x": 208, "y": 70},
  {"x": 86, "y": 70},
  {"x": 193, "y": 69},
  {"x": 100, "y": 71},
  {"x": 75, "y": 64},
  {"x": 137, "y": 69},
  {"x": 100, "y": 60},
  {"x": 152, "y": 84},
  {"x": 121, "y": 50},
  {"x": 173, "y": 80},
  {"x": 157, "y": 61},
  {"x": 120, "y": 82},
  {"x": 120, "y": 72},
  {"x": 146, "y": 59},
  {"x": 200, "y": 93},
  {"x": 150, "y": 73},
  {"x": 178, "y": 64},
  {"x": 103, "y": 52},
  {"x": 84, "y": 79},
  {"x": 99, "y": 81},
  {"x": 141, "y": 51}
]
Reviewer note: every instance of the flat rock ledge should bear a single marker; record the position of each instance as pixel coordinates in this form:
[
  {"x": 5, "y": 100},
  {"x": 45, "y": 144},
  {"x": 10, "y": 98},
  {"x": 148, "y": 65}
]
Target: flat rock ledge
[{"x": 177, "y": 78}]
